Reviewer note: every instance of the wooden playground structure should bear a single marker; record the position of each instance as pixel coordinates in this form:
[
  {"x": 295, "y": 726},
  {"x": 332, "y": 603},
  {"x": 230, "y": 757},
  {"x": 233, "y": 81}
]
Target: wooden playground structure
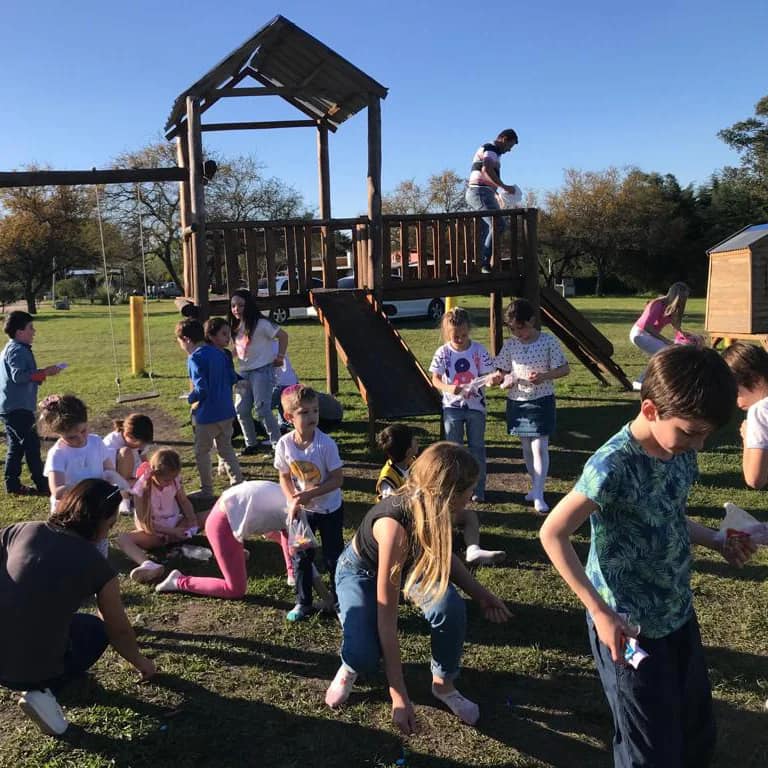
[{"x": 393, "y": 256}]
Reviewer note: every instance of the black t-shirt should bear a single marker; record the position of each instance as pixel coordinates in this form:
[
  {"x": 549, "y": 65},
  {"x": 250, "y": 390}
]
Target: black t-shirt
[
  {"x": 45, "y": 575},
  {"x": 394, "y": 506}
]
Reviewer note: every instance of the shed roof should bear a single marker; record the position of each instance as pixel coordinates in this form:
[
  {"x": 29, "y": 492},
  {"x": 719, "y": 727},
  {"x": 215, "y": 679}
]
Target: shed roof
[
  {"x": 324, "y": 85},
  {"x": 742, "y": 239}
]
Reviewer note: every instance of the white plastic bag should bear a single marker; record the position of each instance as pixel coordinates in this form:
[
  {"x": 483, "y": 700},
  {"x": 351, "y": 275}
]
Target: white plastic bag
[
  {"x": 738, "y": 523},
  {"x": 300, "y": 536},
  {"x": 196, "y": 553},
  {"x": 510, "y": 199},
  {"x": 473, "y": 387}
]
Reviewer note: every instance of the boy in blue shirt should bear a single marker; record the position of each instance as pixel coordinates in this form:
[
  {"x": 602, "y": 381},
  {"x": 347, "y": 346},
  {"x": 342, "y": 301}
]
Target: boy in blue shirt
[
  {"x": 212, "y": 375},
  {"x": 636, "y": 583},
  {"x": 19, "y": 381}
]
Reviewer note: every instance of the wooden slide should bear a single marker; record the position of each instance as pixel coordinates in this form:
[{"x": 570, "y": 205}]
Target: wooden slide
[
  {"x": 389, "y": 377},
  {"x": 581, "y": 337}
]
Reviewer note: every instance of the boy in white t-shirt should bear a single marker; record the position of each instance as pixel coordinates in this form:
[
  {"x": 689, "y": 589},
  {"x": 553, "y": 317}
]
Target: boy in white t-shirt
[{"x": 311, "y": 476}]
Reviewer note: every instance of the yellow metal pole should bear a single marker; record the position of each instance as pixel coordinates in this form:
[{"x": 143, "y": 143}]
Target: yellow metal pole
[
  {"x": 136, "y": 312},
  {"x": 450, "y": 302}
]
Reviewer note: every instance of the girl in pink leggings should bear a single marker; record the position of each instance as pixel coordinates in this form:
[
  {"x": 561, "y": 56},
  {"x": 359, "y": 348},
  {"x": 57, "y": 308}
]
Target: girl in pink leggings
[{"x": 254, "y": 507}]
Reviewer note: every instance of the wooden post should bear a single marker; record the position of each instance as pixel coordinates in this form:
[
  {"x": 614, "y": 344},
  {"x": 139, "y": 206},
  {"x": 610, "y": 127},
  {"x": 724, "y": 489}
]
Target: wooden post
[
  {"x": 136, "y": 312},
  {"x": 375, "y": 242},
  {"x": 187, "y": 245},
  {"x": 496, "y": 329},
  {"x": 531, "y": 260},
  {"x": 327, "y": 253},
  {"x": 197, "y": 201}
]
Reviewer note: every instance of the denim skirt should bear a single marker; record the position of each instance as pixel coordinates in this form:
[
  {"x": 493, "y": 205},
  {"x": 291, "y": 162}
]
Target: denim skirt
[{"x": 531, "y": 418}]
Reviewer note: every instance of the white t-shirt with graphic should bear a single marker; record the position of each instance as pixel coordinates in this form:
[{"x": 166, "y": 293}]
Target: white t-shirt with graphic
[
  {"x": 460, "y": 368},
  {"x": 77, "y": 463},
  {"x": 310, "y": 467},
  {"x": 757, "y": 425},
  {"x": 538, "y": 356}
]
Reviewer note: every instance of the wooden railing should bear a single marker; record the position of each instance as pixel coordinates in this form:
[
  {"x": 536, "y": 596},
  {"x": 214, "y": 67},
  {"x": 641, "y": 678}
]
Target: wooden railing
[
  {"x": 420, "y": 251},
  {"x": 446, "y": 247},
  {"x": 242, "y": 253}
]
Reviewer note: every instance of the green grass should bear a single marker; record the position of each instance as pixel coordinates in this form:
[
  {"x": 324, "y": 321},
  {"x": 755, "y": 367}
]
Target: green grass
[{"x": 241, "y": 687}]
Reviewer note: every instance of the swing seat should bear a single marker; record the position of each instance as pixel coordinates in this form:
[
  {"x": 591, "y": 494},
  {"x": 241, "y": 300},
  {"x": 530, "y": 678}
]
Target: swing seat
[{"x": 132, "y": 398}]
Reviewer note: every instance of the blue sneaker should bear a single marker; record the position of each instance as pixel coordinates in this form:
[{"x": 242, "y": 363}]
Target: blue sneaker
[{"x": 299, "y": 613}]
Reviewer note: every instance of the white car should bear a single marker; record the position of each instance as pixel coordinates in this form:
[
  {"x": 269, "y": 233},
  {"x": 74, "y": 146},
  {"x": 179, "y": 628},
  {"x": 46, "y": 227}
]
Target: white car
[
  {"x": 432, "y": 309},
  {"x": 281, "y": 315}
]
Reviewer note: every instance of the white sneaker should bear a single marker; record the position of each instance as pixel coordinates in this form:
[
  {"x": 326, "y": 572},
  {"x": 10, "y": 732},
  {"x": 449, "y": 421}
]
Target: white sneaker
[
  {"x": 147, "y": 572},
  {"x": 170, "y": 583},
  {"x": 42, "y": 707},
  {"x": 125, "y": 507},
  {"x": 541, "y": 506},
  {"x": 340, "y": 688}
]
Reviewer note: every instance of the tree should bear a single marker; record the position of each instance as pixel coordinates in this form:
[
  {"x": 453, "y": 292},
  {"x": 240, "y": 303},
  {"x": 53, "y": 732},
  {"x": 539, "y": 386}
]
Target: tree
[
  {"x": 446, "y": 192},
  {"x": 238, "y": 192},
  {"x": 750, "y": 139},
  {"x": 44, "y": 230}
]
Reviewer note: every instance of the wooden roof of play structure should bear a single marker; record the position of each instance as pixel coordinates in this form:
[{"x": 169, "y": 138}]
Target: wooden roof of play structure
[{"x": 288, "y": 62}]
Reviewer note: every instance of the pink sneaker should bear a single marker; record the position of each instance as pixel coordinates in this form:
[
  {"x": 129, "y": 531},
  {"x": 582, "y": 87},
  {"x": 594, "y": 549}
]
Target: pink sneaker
[{"x": 340, "y": 688}]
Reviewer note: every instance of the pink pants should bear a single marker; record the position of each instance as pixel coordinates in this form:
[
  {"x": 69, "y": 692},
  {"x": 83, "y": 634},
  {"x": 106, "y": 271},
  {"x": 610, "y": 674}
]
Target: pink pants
[{"x": 228, "y": 552}]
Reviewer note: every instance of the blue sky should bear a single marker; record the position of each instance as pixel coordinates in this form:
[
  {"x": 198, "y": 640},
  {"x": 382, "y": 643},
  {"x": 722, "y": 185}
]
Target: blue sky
[{"x": 586, "y": 85}]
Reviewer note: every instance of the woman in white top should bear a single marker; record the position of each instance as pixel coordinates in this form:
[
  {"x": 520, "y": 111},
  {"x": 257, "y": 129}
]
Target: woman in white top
[{"x": 253, "y": 335}]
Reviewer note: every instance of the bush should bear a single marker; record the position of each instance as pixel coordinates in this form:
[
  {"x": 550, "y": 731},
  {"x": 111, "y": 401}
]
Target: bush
[
  {"x": 116, "y": 297},
  {"x": 72, "y": 287}
]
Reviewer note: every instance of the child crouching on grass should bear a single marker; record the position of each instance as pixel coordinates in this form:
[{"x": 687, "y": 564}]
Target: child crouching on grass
[
  {"x": 164, "y": 514},
  {"x": 636, "y": 582}
]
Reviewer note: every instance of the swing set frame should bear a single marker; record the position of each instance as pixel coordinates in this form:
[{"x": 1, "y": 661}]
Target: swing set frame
[{"x": 100, "y": 177}]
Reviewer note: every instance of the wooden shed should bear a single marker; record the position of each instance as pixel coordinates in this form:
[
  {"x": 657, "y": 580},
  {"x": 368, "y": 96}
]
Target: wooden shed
[{"x": 737, "y": 290}]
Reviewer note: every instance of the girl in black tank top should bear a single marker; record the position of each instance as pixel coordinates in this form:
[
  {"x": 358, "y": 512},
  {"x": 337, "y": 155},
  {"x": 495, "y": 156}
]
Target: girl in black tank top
[{"x": 406, "y": 541}]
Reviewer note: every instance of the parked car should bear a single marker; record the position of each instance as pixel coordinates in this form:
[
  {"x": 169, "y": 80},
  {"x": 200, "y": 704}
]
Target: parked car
[
  {"x": 433, "y": 309},
  {"x": 281, "y": 315},
  {"x": 168, "y": 291}
]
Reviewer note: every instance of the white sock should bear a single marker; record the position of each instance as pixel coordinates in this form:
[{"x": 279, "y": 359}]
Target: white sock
[
  {"x": 478, "y": 556},
  {"x": 463, "y": 708},
  {"x": 170, "y": 583},
  {"x": 540, "y": 450}
]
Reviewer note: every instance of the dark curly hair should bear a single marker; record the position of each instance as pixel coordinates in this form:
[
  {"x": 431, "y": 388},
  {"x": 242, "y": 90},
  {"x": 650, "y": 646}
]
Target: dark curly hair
[{"x": 60, "y": 413}]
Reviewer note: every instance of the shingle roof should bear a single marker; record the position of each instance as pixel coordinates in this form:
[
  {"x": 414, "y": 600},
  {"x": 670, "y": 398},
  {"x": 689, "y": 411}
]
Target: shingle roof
[
  {"x": 742, "y": 239},
  {"x": 327, "y": 86}
]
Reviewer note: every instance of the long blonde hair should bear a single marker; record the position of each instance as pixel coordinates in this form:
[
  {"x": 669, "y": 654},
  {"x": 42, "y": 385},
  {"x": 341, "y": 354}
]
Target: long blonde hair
[
  {"x": 438, "y": 476},
  {"x": 675, "y": 300},
  {"x": 166, "y": 463}
]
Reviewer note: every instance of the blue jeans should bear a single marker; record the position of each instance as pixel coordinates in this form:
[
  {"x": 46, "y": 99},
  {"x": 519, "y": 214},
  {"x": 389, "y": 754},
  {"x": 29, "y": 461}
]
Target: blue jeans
[
  {"x": 455, "y": 421},
  {"x": 258, "y": 394},
  {"x": 23, "y": 443},
  {"x": 87, "y": 642},
  {"x": 484, "y": 199},
  {"x": 331, "y": 529},
  {"x": 662, "y": 711},
  {"x": 360, "y": 647}
]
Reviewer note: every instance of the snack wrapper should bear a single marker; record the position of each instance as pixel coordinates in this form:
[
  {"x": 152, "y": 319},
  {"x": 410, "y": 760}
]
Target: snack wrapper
[
  {"x": 633, "y": 653},
  {"x": 509, "y": 381}
]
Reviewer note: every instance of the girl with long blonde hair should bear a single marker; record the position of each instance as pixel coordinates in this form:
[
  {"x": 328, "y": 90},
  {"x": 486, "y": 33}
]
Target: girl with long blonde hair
[
  {"x": 405, "y": 541},
  {"x": 664, "y": 310},
  {"x": 163, "y": 513}
]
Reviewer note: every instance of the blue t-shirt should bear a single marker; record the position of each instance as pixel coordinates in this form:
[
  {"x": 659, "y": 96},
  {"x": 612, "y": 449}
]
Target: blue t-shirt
[{"x": 640, "y": 553}]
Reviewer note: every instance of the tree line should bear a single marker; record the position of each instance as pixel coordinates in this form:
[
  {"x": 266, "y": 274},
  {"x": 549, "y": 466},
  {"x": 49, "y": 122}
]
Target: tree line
[{"x": 640, "y": 228}]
